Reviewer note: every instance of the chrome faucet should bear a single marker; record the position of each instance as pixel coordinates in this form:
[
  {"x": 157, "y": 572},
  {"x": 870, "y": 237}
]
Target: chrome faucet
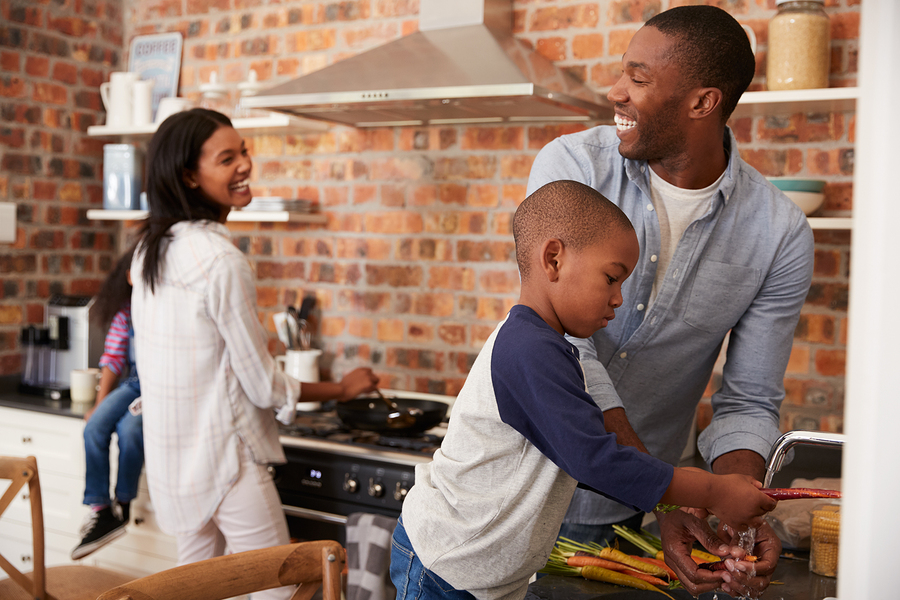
[{"x": 796, "y": 438}]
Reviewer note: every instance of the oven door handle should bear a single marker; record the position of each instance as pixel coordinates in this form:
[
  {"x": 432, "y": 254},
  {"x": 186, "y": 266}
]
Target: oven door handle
[{"x": 314, "y": 515}]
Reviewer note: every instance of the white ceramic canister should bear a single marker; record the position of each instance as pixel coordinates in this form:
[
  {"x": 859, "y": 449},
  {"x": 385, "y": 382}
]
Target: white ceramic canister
[{"x": 142, "y": 102}]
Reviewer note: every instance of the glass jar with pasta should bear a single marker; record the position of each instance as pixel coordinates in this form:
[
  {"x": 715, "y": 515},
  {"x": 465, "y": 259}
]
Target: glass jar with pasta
[{"x": 799, "y": 53}]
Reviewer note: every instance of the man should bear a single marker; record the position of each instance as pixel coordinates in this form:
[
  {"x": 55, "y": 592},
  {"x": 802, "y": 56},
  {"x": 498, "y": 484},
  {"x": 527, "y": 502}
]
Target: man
[{"x": 722, "y": 250}]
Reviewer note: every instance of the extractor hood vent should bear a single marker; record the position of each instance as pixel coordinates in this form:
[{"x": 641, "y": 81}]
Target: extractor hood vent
[{"x": 462, "y": 66}]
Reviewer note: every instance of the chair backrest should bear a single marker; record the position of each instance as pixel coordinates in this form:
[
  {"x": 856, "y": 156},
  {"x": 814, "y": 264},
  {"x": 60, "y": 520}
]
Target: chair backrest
[
  {"x": 21, "y": 472},
  {"x": 309, "y": 564}
]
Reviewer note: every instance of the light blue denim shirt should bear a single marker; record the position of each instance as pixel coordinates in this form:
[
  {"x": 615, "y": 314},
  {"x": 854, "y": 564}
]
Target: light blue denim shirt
[{"x": 744, "y": 267}]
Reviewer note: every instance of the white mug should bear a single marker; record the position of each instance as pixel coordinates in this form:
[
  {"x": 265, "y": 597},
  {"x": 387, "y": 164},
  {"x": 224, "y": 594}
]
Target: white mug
[
  {"x": 170, "y": 105},
  {"x": 83, "y": 385},
  {"x": 117, "y": 97},
  {"x": 142, "y": 102}
]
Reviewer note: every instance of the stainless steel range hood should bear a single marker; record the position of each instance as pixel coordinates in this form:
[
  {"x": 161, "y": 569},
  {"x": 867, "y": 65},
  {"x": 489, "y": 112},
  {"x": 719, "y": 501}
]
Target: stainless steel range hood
[{"x": 462, "y": 66}]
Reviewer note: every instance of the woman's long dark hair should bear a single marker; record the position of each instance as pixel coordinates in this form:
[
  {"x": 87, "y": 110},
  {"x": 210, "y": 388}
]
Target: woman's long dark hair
[
  {"x": 114, "y": 293},
  {"x": 175, "y": 149}
]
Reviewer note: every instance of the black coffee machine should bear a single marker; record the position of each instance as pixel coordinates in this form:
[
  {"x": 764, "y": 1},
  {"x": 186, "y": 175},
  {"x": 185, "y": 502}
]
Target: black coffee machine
[{"x": 68, "y": 340}]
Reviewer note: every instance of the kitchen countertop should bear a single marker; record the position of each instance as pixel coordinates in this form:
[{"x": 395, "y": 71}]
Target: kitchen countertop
[
  {"x": 11, "y": 397},
  {"x": 797, "y": 583}
]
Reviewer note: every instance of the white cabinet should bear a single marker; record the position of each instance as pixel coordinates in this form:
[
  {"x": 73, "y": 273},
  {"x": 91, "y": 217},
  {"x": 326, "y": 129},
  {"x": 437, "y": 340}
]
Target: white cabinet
[{"x": 58, "y": 444}]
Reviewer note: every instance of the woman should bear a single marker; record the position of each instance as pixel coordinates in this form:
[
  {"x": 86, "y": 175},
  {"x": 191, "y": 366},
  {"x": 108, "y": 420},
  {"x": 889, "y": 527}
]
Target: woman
[{"x": 209, "y": 386}]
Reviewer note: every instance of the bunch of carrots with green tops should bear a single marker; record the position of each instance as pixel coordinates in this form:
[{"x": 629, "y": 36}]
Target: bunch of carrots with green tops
[{"x": 610, "y": 565}]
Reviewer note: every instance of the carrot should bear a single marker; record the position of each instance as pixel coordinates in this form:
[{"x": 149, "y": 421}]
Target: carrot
[
  {"x": 626, "y": 559},
  {"x": 601, "y": 574},
  {"x": 644, "y": 577},
  {"x": 719, "y": 565},
  {"x": 659, "y": 563},
  {"x": 699, "y": 556},
  {"x": 594, "y": 561},
  {"x": 795, "y": 493}
]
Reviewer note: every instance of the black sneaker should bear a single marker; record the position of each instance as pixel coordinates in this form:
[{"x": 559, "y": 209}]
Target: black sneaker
[{"x": 100, "y": 528}]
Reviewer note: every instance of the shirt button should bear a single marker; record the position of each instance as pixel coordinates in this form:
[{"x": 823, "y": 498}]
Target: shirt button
[
  {"x": 654, "y": 258},
  {"x": 640, "y": 307},
  {"x": 650, "y": 207},
  {"x": 623, "y": 355},
  {"x": 642, "y": 169}
]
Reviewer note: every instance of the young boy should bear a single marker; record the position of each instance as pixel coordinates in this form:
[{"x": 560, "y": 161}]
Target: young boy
[{"x": 483, "y": 516}]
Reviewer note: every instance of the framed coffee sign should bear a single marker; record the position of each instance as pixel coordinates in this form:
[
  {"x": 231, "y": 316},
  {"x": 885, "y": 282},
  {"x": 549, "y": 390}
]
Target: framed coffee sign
[{"x": 157, "y": 57}]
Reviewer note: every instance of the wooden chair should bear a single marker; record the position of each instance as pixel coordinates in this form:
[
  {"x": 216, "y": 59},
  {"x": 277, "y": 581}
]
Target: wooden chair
[
  {"x": 309, "y": 564},
  {"x": 67, "y": 582}
]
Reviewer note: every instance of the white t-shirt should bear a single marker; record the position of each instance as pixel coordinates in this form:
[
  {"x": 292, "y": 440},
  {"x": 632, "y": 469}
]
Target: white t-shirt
[{"x": 676, "y": 208}]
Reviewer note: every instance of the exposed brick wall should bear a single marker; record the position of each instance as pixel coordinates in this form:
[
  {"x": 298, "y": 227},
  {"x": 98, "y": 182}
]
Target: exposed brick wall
[
  {"x": 415, "y": 265},
  {"x": 54, "y": 55}
]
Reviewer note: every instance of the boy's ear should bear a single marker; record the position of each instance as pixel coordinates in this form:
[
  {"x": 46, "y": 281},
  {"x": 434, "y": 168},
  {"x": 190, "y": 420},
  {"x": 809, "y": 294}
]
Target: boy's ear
[{"x": 552, "y": 251}]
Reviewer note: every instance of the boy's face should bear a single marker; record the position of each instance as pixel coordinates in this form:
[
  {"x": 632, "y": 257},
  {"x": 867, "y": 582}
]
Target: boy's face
[{"x": 591, "y": 286}]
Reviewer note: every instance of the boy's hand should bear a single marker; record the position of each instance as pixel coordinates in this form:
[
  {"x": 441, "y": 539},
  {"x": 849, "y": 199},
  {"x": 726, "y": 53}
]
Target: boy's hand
[
  {"x": 738, "y": 502},
  {"x": 356, "y": 382}
]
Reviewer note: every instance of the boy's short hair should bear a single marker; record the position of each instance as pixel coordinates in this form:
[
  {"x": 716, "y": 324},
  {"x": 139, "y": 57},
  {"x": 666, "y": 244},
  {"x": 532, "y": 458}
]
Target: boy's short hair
[{"x": 576, "y": 214}]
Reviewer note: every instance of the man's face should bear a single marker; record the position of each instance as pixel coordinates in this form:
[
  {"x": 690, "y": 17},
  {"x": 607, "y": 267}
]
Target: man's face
[{"x": 650, "y": 100}]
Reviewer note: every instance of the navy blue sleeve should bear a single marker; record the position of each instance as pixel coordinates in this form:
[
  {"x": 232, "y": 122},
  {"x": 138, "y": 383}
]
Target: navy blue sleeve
[{"x": 540, "y": 391}]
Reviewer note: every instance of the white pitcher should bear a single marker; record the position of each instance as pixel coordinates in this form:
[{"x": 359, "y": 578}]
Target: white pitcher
[{"x": 117, "y": 96}]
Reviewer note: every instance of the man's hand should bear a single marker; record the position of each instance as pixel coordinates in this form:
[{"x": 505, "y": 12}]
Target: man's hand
[
  {"x": 679, "y": 530},
  {"x": 751, "y": 579}
]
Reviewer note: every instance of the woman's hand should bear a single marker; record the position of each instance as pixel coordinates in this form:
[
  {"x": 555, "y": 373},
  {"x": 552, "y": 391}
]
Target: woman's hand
[{"x": 358, "y": 381}]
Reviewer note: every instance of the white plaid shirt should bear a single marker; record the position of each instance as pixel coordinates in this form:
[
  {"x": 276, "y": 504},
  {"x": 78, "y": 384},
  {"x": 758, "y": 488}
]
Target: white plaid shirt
[{"x": 208, "y": 382}]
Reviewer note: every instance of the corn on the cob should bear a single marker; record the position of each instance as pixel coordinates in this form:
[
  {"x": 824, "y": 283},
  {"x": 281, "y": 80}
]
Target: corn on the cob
[{"x": 824, "y": 538}]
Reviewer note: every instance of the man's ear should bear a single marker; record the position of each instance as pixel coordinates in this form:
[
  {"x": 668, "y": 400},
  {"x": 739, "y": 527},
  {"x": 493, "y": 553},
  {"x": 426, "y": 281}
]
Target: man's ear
[
  {"x": 552, "y": 253},
  {"x": 705, "y": 102}
]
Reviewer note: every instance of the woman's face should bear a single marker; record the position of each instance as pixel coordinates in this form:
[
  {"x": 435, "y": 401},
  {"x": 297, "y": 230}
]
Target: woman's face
[{"x": 223, "y": 171}]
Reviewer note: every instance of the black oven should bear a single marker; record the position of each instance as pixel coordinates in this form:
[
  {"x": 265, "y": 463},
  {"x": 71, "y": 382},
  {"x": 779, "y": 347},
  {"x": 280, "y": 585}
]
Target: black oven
[{"x": 332, "y": 472}]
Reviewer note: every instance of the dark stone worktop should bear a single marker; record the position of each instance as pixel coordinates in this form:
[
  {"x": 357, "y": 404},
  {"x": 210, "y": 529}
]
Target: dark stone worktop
[
  {"x": 12, "y": 398},
  {"x": 796, "y": 583}
]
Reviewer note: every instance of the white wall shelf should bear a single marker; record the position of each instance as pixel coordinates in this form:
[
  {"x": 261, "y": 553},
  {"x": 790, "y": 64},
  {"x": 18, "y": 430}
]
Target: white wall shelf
[
  {"x": 257, "y": 216},
  {"x": 830, "y": 222},
  {"x": 786, "y": 102},
  {"x": 273, "y": 123}
]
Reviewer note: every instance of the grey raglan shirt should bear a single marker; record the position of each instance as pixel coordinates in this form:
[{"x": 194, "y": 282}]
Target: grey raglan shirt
[{"x": 485, "y": 513}]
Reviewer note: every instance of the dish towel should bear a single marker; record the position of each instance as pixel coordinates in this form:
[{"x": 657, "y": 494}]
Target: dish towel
[{"x": 369, "y": 556}]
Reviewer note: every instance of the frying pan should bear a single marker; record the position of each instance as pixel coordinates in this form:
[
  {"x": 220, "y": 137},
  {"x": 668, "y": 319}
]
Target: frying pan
[{"x": 371, "y": 414}]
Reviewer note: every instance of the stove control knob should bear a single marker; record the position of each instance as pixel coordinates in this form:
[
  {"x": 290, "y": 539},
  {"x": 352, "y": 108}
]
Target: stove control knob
[
  {"x": 376, "y": 489},
  {"x": 400, "y": 492},
  {"x": 351, "y": 484}
]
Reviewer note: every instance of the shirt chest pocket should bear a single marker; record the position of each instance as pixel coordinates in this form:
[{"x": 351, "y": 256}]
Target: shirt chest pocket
[{"x": 719, "y": 296}]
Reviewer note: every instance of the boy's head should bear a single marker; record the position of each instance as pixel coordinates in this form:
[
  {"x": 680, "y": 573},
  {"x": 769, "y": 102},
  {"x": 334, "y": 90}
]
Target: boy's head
[{"x": 574, "y": 249}]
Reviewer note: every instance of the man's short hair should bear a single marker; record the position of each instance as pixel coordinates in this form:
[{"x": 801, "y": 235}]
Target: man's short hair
[
  {"x": 576, "y": 214},
  {"x": 711, "y": 48}
]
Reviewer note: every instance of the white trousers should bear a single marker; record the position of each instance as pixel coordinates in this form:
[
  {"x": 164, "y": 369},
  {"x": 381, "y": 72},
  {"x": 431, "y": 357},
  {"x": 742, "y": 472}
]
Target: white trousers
[{"x": 250, "y": 517}]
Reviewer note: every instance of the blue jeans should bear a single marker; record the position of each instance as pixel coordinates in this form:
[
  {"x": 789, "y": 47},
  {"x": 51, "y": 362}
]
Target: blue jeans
[
  {"x": 112, "y": 415},
  {"x": 412, "y": 580}
]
